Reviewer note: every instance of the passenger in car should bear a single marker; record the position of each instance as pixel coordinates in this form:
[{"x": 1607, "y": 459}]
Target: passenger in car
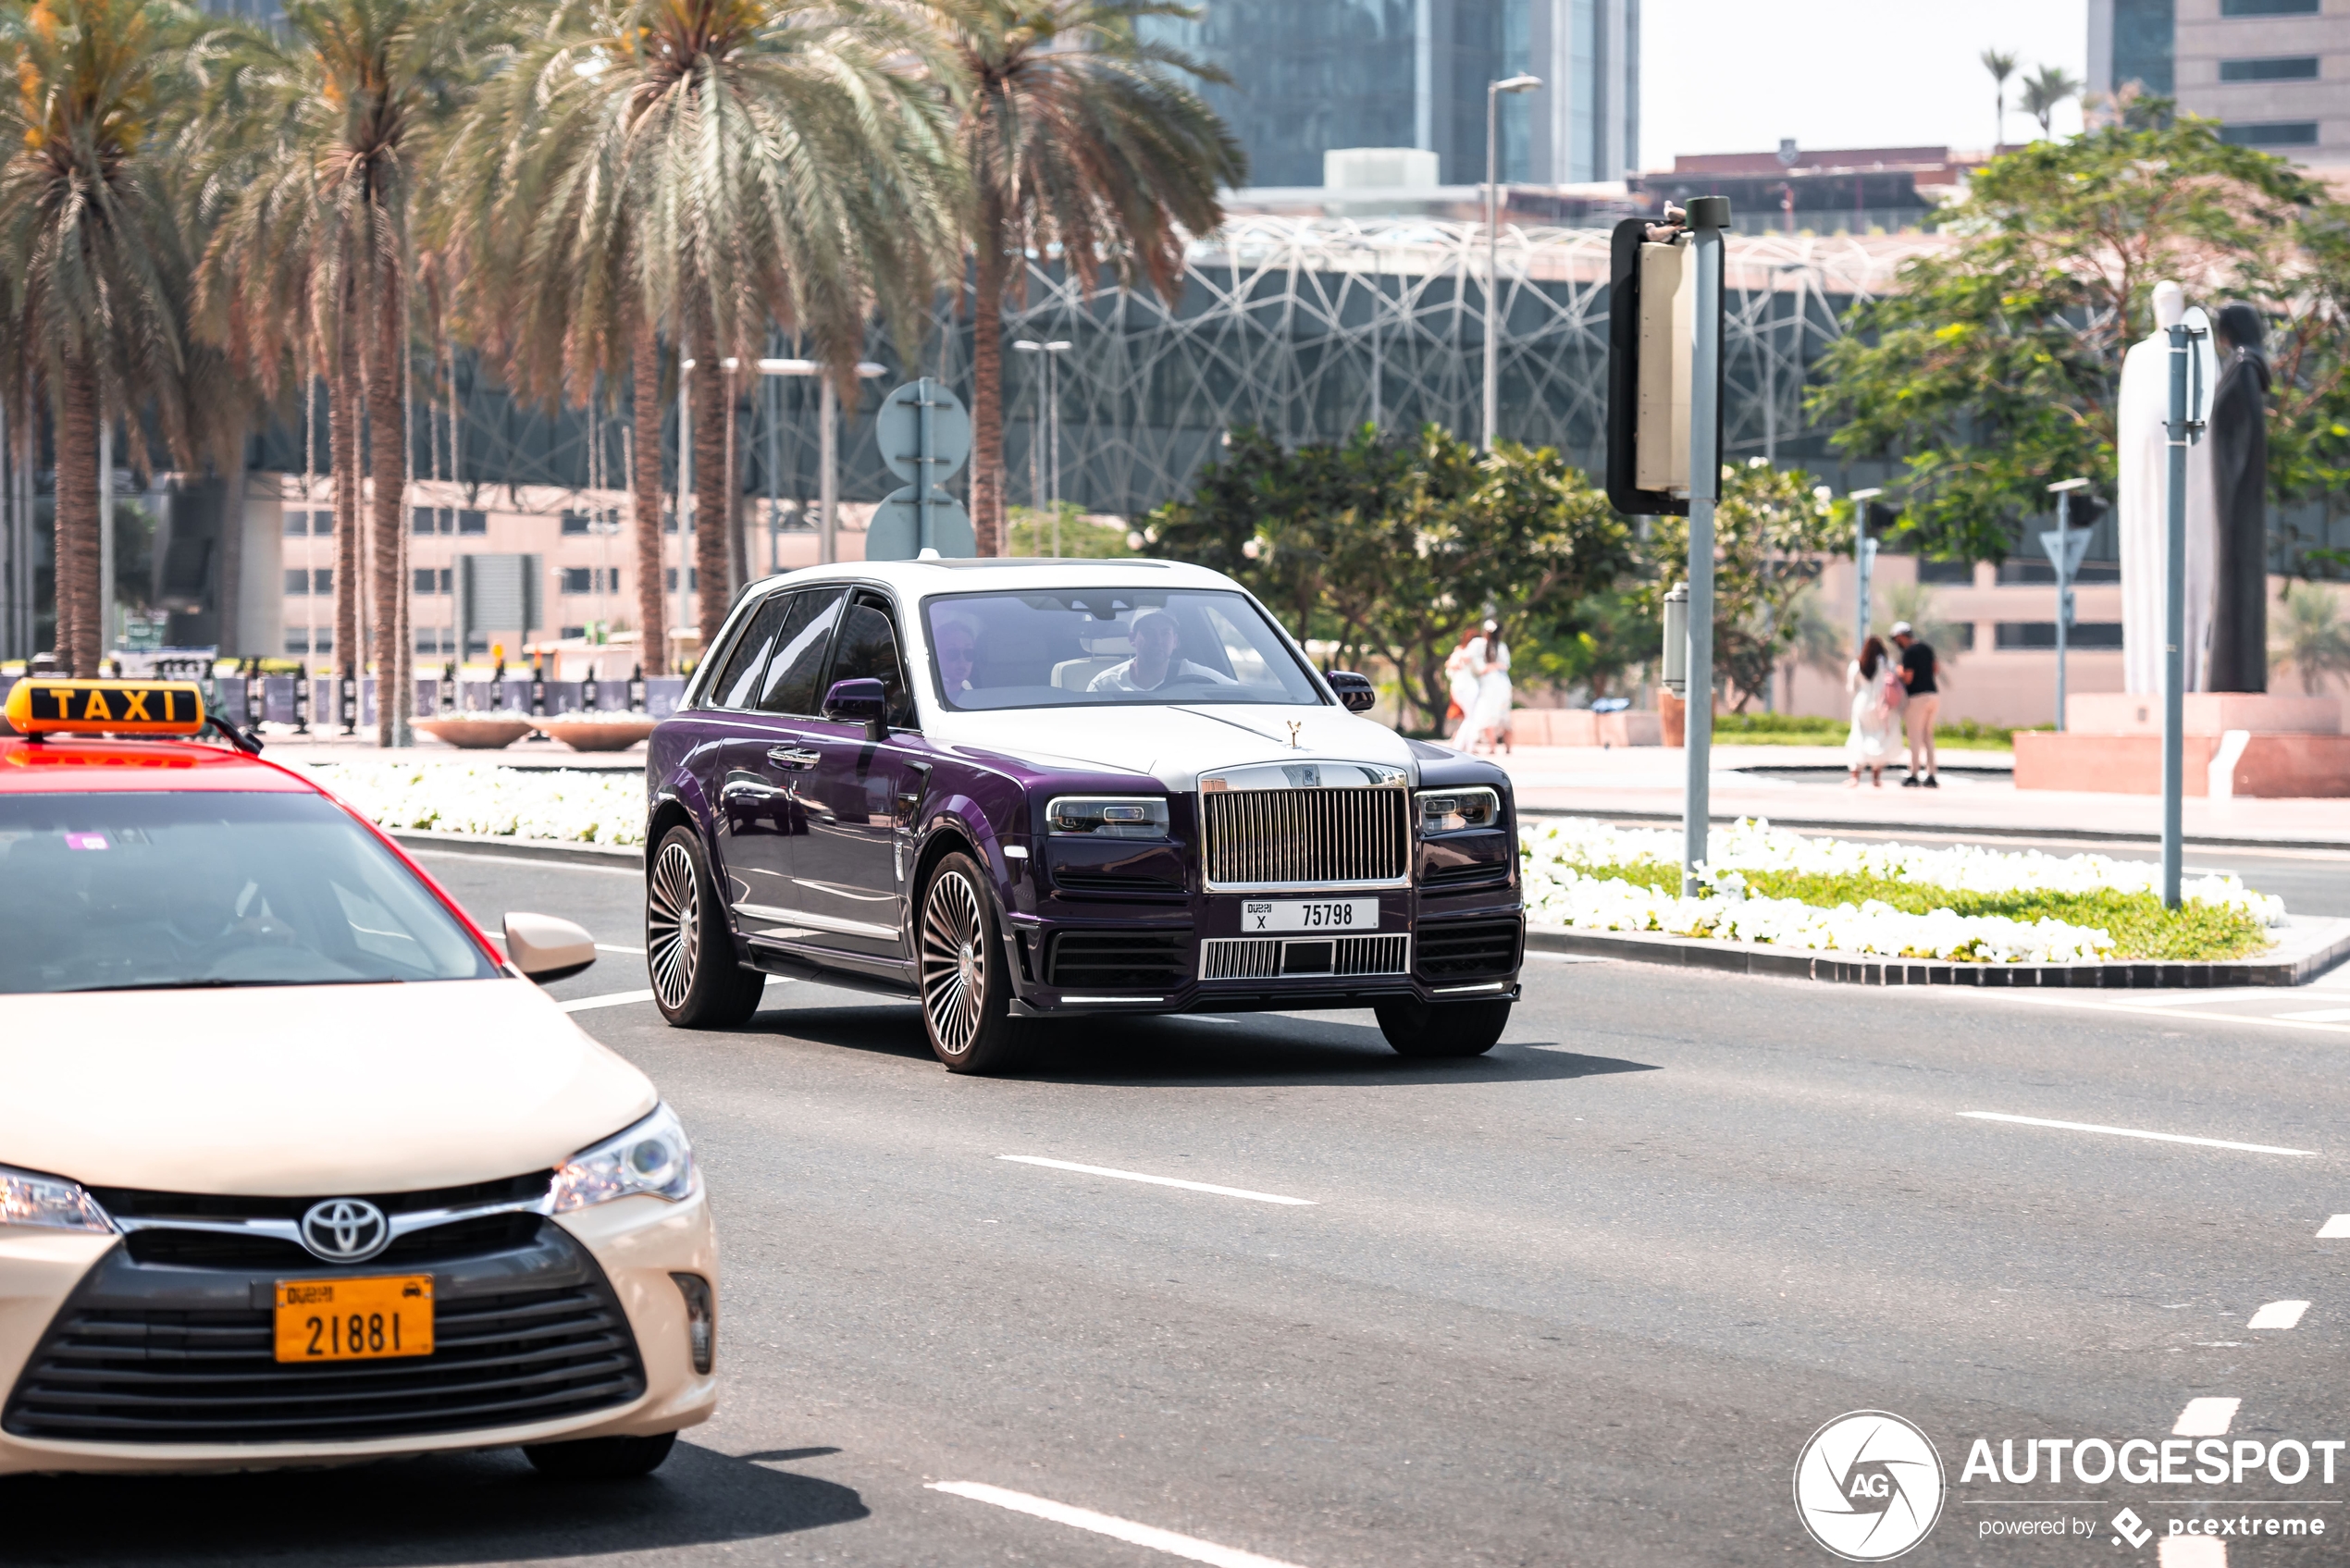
[{"x": 1154, "y": 664}]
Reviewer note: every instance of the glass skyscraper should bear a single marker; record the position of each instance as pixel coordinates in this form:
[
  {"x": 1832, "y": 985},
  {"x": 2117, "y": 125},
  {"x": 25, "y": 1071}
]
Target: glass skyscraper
[{"x": 1308, "y": 75}]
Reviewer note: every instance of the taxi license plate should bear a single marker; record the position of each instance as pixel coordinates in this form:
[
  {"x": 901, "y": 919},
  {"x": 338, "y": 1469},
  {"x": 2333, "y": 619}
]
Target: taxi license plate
[
  {"x": 355, "y": 1319},
  {"x": 1334, "y": 915}
]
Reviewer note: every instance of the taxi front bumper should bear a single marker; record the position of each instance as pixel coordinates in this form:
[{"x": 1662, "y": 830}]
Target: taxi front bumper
[{"x": 581, "y": 1330}]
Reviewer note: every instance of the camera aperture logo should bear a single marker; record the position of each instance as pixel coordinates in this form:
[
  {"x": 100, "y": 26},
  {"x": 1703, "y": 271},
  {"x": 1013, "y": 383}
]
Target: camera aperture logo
[{"x": 1869, "y": 1485}]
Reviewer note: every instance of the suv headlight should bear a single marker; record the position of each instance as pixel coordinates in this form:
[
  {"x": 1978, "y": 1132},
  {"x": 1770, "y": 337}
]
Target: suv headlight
[
  {"x": 652, "y": 1156},
  {"x": 29, "y": 1199},
  {"x": 1452, "y": 811},
  {"x": 1108, "y": 816}
]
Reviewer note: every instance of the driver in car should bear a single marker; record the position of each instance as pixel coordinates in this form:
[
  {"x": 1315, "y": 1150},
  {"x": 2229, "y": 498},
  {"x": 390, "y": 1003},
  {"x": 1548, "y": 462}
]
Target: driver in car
[{"x": 1154, "y": 664}]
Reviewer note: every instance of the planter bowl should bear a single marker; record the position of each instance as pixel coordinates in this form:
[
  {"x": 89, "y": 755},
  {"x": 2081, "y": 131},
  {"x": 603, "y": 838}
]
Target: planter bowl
[
  {"x": 476, "y": 734},
  {"x": 597, "y": 734}
]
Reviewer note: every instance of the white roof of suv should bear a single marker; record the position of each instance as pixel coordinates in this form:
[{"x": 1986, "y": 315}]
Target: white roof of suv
[{"x": 916, "y": 578}]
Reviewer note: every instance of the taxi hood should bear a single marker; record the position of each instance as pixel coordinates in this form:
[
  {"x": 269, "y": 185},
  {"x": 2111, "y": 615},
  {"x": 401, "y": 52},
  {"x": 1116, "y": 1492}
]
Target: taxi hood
[
  {"x": 301, "y": 1091},
  {"x": 1176, "y": 742}
]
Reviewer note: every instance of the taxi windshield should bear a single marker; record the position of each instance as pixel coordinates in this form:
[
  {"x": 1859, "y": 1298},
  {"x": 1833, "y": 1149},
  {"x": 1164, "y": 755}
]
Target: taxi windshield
[
  {"x": 114, "y": 891},
  {"x": 1096, "y": 646}
]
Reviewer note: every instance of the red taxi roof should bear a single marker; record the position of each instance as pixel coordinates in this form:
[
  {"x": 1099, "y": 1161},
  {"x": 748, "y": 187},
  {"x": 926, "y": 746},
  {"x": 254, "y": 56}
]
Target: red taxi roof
[{"x": 48, "y": 767}]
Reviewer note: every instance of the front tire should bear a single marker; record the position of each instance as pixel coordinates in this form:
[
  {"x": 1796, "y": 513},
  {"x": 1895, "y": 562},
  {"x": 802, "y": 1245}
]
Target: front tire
[
  {"x": 1442, "y": 1029},
  {"x": 966, "y": 992},
  {"x": 600, "y": 1459},
  {"x": 689, "y": 951}
]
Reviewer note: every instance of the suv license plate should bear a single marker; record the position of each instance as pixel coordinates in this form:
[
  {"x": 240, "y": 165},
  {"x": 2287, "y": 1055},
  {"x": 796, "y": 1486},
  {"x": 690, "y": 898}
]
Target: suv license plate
[
  {"x": 355, "y": 1319},
  {"x": 1334, "y": 915}
]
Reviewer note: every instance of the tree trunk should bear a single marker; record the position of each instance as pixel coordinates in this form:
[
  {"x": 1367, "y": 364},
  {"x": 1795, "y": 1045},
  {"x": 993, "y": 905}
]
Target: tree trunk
[
  {"x": 652, "y": 621},
  {"x": 342, "y": 437},
  {"x": 80, "y": 628},
  {"x": 713, "y": 489},
  {"x": 388, "y": 463},
  {"x": 987, "y": 389}
]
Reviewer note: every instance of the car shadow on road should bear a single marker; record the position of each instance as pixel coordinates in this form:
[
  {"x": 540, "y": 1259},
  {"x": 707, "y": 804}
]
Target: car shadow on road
[
  {"x": 409, "y": 1514},
  {"x": 1217, "y": 1050}
]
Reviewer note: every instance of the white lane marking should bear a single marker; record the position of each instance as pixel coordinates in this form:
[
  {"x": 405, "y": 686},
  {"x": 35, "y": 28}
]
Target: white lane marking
[
  {"x": 2153, "y": 1008},
  {"x": 2279, "y": 1314},
  {"x": 2318, "y": 1015},
  {"x": 1153, "y": 1180},
  {"x": 2335, "y": 1229},
  {"x": 526, "y": 860},
  {"x": 2135, "y": 1132},
  {"x": 2206, "y": 1418},
  {"x": 2189, "y": 1552},
  {"x": 1109, "y": 1525},
  {"x": 609, "y": 999}
]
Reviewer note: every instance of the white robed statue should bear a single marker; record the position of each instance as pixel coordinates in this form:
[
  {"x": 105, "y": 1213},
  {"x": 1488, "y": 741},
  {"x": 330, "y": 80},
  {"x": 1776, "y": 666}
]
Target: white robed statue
[{"x": 2142, "y": 439}]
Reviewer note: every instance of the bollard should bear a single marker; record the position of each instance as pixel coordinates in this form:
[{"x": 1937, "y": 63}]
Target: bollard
[
  {"x": 635, "y": 689},
  {"x": 302, "y": 698}
]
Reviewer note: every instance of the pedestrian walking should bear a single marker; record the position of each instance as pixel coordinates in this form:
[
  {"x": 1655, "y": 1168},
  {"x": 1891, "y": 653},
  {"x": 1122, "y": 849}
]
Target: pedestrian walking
[
  {"x": 1460, "y": 676},
  {"x": 1876, "y": 687},
  {"x": 1922, "y": 702},
  {"x": 1494, "y": 693}
]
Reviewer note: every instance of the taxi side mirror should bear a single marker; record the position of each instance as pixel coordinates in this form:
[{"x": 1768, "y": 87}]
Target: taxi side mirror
[
  {"x": 545, "y": 948},
  {"x": 1356, "y": 692}
]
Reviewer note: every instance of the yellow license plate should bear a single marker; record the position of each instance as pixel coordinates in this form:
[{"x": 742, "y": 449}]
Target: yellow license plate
[{"x": 355, "y": 1319}]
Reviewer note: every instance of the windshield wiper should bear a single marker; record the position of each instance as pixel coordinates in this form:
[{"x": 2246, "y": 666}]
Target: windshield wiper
[{"x": 211, "y": 985}]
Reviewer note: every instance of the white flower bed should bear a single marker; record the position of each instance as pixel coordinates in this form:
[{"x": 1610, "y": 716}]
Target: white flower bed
[
  {"x": 481, "y": 798},
  {"x": 1558, "y": 891}
]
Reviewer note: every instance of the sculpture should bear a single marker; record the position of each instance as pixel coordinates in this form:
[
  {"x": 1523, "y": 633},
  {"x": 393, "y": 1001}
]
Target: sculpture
[
  {"x": 2142, "y": 440},
  {"x": 2238, "y": 440}
]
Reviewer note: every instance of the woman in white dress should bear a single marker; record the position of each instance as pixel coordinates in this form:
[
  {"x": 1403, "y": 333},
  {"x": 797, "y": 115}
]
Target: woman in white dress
[
  {"x": 1492, "y": 714},
  {"x": 1461, "y": 668},
  {"x": 1875, "y": 685}
]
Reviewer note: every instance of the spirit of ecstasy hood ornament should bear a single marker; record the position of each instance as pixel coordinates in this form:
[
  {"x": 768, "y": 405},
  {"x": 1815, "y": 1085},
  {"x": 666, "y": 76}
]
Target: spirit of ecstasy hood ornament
[{"x": 1295, "y": 725}]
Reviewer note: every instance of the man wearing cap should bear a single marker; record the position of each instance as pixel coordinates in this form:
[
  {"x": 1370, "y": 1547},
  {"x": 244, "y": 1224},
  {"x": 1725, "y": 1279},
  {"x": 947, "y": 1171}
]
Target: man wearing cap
[{"x": 1919, "y": 707}]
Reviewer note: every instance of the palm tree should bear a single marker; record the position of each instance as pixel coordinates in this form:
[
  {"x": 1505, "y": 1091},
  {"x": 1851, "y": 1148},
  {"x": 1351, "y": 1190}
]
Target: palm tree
[
  {"x": 1083, "y": 142},
  {"x": 2000, "y": 62},
  {"x": 2313, "y": 639},
  {"x": 711, "y": 167},
  {"x": 2044, "y": 90},
  {"x": 89, "y": 253},
  {"x": 317, "y": 131}
]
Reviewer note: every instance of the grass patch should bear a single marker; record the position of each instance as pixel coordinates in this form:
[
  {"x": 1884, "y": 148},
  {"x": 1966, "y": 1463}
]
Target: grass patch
[
  {"x": 1792, "y": 729},
  {"x": 2140, "y": 926}
]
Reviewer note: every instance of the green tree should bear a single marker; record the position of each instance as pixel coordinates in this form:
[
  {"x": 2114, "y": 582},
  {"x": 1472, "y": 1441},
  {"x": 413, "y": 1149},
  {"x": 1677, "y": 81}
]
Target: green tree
[
  {"x": 1085, "y": 146},
  {"x": 2310, "y": 637},
  {"x": 2045, "y": 89},
  {"x": 2000, "y": 62},
  {"x": 1994, "y": 366},
  {"x": 1773, "y": 532},
  {"x": 716, "y": 168}
]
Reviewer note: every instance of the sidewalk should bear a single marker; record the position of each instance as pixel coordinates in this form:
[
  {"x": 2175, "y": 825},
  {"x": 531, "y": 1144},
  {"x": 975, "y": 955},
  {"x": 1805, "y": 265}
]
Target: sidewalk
[{"x": 1805, "y": 787}]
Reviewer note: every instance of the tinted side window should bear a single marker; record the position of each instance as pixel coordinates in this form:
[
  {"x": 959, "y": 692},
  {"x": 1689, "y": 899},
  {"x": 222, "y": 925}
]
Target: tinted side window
[
  {"x": 792, "y": 673},
  {"x": 868, "y": 651},
  {"x": 738, "y": 682}
]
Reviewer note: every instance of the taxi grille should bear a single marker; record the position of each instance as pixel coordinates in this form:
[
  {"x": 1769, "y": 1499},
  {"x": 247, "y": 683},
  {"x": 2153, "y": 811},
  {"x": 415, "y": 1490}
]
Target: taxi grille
[{"x": 1305, "y": 837}]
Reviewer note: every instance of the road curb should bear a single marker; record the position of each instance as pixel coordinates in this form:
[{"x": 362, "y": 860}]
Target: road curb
[
  {"x": 627, "y": 856},
  {"x": 1932, "y": 830},
  {"x": 2302, "y": 963}
]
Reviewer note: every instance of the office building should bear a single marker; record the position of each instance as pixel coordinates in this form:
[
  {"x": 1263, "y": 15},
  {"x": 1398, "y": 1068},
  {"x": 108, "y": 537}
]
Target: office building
[{"x": 2275, "y": 73}]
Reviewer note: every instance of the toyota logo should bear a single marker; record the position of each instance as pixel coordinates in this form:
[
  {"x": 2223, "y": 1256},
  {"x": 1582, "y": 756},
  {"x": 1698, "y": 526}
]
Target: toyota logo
[{"x": 345, "y": 1229}]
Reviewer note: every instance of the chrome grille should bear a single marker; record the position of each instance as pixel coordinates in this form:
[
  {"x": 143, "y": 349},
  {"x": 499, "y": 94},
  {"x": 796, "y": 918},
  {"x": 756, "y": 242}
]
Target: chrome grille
[
  {"x": 1269, "y": 957},
  {"x": 1270, "y": 838}
]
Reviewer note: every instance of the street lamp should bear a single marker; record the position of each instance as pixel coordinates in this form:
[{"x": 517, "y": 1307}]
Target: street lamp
[
  {"x": 1770, "y": 357},
  {"x": 828, "y": 439},
  {"x": 2062, "y": 557},
  {"x": 1052, "y": 352},
  {"x": 1863, "y": 566},
  {"x": 1493, "y": 91}
]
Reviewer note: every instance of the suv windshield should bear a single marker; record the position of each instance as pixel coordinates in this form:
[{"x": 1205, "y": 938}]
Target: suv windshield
[
  {"x": 1095, "y": 646},
  {"x": 111, "y": 891}
]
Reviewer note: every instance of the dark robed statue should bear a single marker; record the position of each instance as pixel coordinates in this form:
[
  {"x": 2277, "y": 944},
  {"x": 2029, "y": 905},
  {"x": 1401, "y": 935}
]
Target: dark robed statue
[{"x": 2239, "y": 438}]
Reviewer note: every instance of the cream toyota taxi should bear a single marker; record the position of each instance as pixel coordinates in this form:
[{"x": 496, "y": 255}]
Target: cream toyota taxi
[{"x": 295, "y": 1166}]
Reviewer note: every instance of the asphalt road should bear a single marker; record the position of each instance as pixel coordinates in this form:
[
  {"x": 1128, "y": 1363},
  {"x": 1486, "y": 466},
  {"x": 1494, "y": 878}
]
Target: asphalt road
[{"x": 1580, "y": 1301}]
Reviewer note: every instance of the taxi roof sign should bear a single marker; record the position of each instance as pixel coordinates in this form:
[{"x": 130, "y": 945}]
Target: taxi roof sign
[{"x": 38, "y": 707}]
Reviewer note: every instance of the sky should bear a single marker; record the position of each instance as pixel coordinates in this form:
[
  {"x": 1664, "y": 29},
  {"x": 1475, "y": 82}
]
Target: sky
[{"x": 1734, "y": 76}]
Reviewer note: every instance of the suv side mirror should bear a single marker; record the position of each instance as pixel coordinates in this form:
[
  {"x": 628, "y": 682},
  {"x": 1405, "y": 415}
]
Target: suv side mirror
[
  {"x": 1354, "y": 691},
  {"x": 863, "y": 701},
  {"x": 545, "y": 948}
]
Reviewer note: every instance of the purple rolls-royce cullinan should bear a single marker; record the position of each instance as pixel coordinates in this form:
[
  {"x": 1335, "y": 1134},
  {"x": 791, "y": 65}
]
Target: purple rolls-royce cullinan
[{"x": 1023, "y": 790}]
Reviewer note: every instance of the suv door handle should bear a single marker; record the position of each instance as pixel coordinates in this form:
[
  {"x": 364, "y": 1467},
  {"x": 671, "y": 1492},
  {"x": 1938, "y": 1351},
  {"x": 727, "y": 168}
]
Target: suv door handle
[{"x": 793, "y": 757}]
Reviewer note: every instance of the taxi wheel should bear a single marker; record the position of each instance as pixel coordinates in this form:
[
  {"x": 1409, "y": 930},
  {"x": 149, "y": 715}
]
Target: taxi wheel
[
  {"x": 966, "y": 992},
  {"x": 689, "y": 954},
  {"x": 1442, "y": 1029},
  {"x": 600, "y": 1459}
]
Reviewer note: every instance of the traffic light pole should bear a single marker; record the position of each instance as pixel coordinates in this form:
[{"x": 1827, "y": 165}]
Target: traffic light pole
[
  {"x": 2183, "y": 429},
  {"x": 1707, "y": 214}
]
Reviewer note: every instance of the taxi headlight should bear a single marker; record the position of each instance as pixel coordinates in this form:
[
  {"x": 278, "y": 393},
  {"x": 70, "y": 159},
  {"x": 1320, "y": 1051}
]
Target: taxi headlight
[
  {"x": 1108, "y": 816},
  {"x": 652, "y": 1156},
  {"x": 1452, "y": 811},
  {"x": 27, "y": 1198}
]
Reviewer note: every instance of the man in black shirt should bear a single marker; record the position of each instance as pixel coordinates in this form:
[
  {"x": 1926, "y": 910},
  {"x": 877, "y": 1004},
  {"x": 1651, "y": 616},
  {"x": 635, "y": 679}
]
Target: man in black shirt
[{"x": 1919, "y": 708}]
